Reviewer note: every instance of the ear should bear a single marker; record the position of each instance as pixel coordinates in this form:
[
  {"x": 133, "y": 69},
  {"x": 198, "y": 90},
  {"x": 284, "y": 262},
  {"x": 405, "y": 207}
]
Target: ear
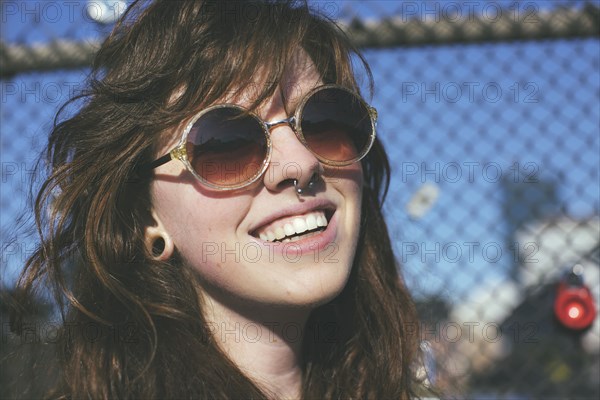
[{"x": 158, "y": 242}]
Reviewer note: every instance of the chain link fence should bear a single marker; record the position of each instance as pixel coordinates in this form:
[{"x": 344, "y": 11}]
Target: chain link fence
[{"x": 490, "y": 111}]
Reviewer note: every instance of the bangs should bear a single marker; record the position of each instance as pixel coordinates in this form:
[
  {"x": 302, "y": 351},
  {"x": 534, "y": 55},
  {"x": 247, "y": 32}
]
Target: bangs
[
  {"x": 248, "y": 46},
  {"x": 164, "y": 61}
]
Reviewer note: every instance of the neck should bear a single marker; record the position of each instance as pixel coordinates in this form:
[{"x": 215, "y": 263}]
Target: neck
[{"x": 264, "y": 342}]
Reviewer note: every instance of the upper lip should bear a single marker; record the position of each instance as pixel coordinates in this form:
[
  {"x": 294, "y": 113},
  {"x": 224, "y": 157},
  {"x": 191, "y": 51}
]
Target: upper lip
[{"x": 296, "y": 209}]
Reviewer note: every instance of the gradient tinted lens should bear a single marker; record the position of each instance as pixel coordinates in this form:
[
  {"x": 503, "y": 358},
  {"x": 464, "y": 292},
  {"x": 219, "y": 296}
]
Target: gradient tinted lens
[
  {"x": 227, "y": 147},
  {"x": 336, "y": 125}
]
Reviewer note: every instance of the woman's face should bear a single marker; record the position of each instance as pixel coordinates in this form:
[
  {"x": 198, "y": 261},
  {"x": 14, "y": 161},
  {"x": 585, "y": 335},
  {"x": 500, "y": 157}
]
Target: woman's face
[{"x": 222, "y": 234}]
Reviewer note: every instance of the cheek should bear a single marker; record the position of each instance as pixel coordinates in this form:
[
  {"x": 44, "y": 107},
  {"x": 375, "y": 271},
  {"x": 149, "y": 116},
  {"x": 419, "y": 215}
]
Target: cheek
[
  {"x": 352, "y": 172},
  {"x": 198, "y": 224},
  {"x": 348, "y": 181}
]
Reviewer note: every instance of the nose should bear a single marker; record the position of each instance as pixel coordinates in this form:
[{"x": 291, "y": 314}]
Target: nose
[{"x": 290, "y": 160}]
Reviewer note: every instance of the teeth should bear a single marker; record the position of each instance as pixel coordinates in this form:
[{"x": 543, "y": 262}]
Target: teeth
[
  {"x": 311, "y": 222},
  {"x": 298, "y": 225},
  {"x": 321, "y": 220},
  {"x": 279, "y": 233},
  {"x": 289, "y": 230}
]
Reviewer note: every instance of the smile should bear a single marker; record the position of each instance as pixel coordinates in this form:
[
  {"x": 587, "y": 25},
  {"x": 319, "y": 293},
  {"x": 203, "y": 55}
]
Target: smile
[{"x": 294, "y": 228}]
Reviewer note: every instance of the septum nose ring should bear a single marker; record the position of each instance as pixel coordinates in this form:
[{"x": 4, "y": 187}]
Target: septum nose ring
[{"x": 301, "y": 191}]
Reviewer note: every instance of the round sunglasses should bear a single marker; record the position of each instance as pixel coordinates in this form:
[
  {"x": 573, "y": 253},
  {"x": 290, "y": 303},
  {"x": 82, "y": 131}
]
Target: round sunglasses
[{"x": 228, "y": 147}]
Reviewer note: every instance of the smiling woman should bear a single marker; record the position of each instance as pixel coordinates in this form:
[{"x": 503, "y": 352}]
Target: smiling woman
[{"x": 218, "y": 199}]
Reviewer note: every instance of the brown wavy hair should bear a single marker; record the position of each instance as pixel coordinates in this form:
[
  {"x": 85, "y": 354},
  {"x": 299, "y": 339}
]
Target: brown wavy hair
[{"x": 150, "y": 337}]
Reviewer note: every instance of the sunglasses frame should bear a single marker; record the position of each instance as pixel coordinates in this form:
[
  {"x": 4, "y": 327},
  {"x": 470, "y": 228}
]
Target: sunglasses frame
[{"x": 179, "y": 152}]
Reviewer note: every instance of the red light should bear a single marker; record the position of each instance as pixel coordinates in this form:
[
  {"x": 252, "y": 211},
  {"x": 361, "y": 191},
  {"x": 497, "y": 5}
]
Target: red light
[
  {"x": 574, "y": 306},
  {"x": 574, "y": 311}
]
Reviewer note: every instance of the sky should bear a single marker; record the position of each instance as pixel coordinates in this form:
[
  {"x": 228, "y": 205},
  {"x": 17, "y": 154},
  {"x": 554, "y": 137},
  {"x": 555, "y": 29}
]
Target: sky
[{"x": 456, "y": 121}]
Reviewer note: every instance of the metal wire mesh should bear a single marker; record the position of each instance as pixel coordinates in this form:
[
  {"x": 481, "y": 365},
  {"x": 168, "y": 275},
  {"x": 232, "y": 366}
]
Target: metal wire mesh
[{"x": 490, "y": 112}]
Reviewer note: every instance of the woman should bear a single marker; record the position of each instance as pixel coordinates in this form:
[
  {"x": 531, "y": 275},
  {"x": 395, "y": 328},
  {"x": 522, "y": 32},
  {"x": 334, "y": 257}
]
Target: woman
[{"x": 216, "y": 215}]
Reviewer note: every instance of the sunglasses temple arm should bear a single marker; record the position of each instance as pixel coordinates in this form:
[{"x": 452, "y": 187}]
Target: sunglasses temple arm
[
  {"x": 144, "y": 170},
  {"x": 162, "y": 160}
]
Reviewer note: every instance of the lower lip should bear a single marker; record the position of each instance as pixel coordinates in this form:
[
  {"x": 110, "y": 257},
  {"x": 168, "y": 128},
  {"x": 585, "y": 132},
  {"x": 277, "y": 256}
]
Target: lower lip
[{"x": 317, "y": 246}]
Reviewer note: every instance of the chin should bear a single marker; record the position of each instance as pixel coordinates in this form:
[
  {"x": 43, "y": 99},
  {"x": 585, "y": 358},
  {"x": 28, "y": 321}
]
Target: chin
[{"x": 315, "y": 292}]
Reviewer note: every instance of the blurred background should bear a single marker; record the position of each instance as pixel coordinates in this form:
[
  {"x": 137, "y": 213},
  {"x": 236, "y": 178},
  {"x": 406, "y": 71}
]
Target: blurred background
[{"x": 490, "y": 112}]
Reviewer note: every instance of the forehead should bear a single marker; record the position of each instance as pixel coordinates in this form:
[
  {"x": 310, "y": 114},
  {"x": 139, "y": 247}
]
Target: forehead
[{"x": 299, "y": 77}]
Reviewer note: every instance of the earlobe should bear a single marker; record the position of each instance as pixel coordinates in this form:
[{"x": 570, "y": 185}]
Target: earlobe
[{"x": 158, "y": 241}]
